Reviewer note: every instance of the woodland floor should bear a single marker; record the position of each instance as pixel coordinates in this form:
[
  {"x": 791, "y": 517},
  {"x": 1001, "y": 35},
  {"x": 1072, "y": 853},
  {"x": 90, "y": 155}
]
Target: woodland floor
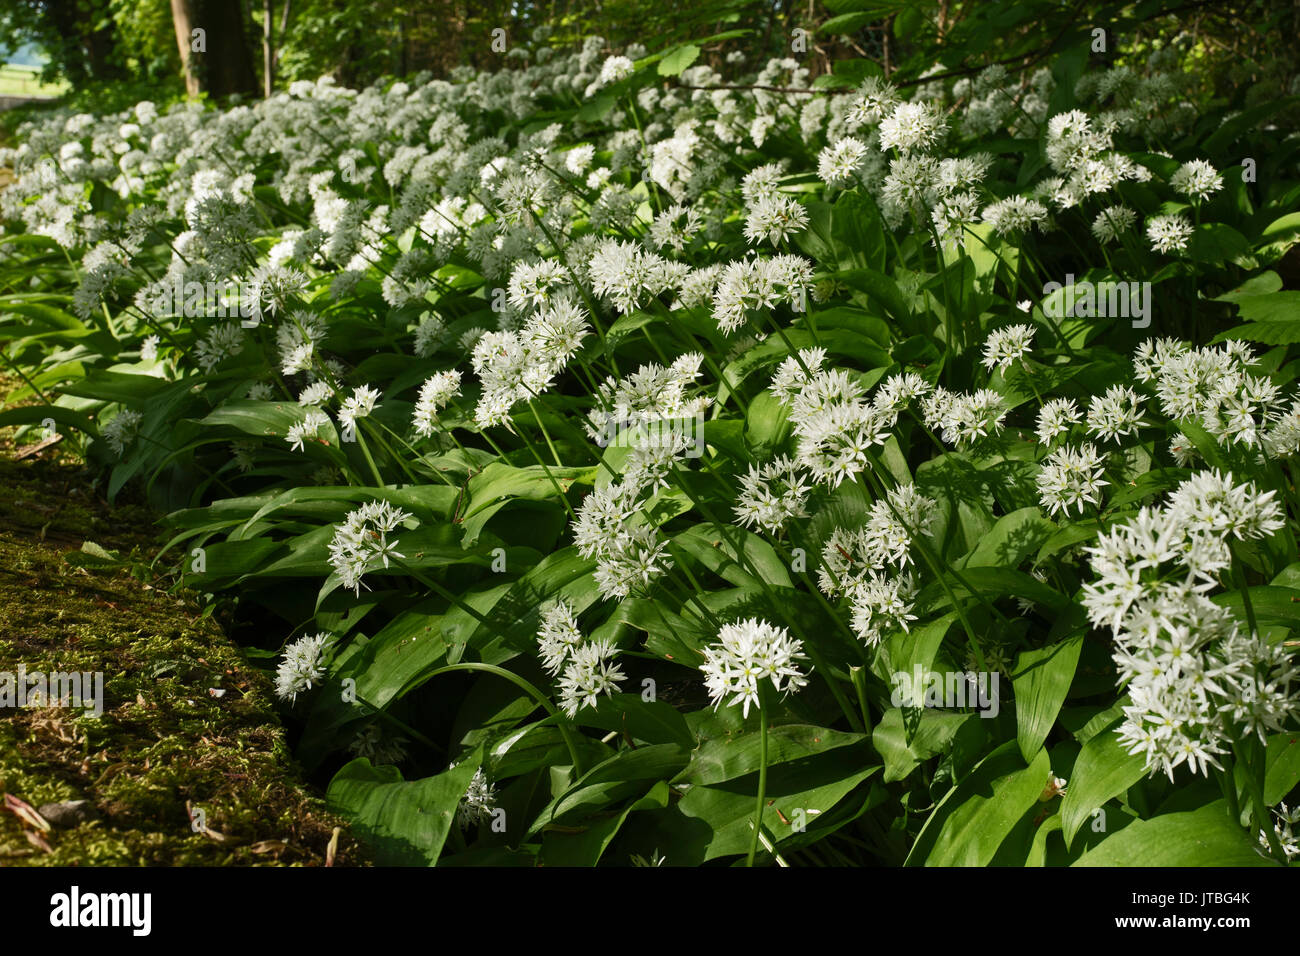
[{"x": 187, "y": 725}]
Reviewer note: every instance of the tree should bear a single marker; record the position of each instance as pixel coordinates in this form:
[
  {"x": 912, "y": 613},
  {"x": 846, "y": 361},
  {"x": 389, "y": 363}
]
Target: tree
[{"x": 213, "y": 44}]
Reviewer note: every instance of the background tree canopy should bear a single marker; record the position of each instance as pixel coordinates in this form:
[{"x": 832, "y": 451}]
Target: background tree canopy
[{"x": 133, "y": 43}]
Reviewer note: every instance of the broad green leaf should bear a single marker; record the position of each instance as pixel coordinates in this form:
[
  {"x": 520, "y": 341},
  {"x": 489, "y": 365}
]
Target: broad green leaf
[
  {"x": 1103, "y": 770},
  {"x": 969, "y": 825},
  {"x": 404, "y": 822},
  {"x": 1204, "y": 837},
  {"x": 1041, "y": 681}
]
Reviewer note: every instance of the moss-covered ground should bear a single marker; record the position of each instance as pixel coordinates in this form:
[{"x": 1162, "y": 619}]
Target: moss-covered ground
[{"x": 187, "y": 764}]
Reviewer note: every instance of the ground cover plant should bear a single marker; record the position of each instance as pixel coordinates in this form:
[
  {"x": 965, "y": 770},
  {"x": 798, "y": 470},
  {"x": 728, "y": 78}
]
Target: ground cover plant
[{"x": 619, "y": 459}]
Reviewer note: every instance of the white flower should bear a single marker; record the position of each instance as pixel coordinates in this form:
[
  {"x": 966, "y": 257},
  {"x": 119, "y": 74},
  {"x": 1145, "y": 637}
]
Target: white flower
[
  {"x": 589, "y": 674},
  {"x": 361, "y": 542},
  {"x": 1071, "y": 477},
  {"x": 771, "y": 495},
  {"x": 880, "y": 604},
  {"x": 301, "y": 667},
  {"x": 579, "y": 158},
  {"x": 1006, "y": 345},
  {"x": 1014, "y": 214},
  {"x": 435, "y": 393},
  {"x": 747, "y": 653},
  {"x": 912, "y": 126},
  {"x": 1196, "y": 179},
  {"x": 614, "y": 69},
  {"x": 478, "y": 802},
  {"x": 121, "y": 430},
  {"x": 1055, "y": 418},
  {"x": 1168, "y": 233},
  {"x": 358, "y": 405},
  {"x": 774, "y": 218},
  {"x": 559, "y": 635},
  {"x": 675, "y": 227},
  {"x": 1117, "y": 413},
  {"x": 309, "y": 427},
  {"x": 839, "y": 163},
  {"x": 1112, "y": 222}
]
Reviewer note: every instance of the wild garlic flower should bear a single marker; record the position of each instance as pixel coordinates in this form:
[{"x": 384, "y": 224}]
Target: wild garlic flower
[
  {"x": 1168, "y": 233},
  {"x": 533, "y": 284},
  {"x": 1197, "y": 180},
  {"x": 302, "y": 665},
  {"x": 378, "y": 747},
  {"x": 1112, "y": 223},
  {"x": 1284, "y": 818},
  {"x": 220, "y": 343},
  {"x": 435, "y": 393},
  {"x": 912, "y": 126},
  {"x": 838, "y": 164},
  {"x": 879, "y": 604},
  {"x": 360, "y": 542},
  {"x": 775, "y": 218},
  {"x": 559, "y": 635},
  {"x": 1056, "y": 417},
  {"x": 675, "y": 227},
  {"x": 964, "y": 419},
  {"x": 120, "y": 431},
  {"x": 750, "y": 284},
  {"x": 874, "y": 100},
  {"x": 309, "y": 427},
  {"x": 771, "y": 495},
  {"x": 1071, "y": 477},
  {"x": 746, "y": 654},
  {"x": 479, "y": 802},
  {"x": 1195, "y": 682},
  {"x": 358, "y": 405},
  {"x": 1007, "y": 344},
  {"x": 614, "y": 69},
  {"x": 899, "y": 390},
  {"x": 883, "y": 543},
  {"x": 1115, "y": 414},
  {"x": 589, "y": 673},
  {"x": 627, "y": 275},
  {"x": 1014, "y": 215}
]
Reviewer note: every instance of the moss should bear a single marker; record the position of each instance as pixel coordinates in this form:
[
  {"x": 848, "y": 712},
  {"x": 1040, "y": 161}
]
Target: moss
[{"x": 187, "y": 724}]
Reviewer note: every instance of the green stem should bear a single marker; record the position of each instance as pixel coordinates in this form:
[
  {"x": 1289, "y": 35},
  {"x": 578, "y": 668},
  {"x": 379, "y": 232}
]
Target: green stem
[{"x": 762, "y": 782}]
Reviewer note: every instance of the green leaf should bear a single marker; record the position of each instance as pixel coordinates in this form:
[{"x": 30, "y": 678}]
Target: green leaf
[
  {"x": 1041, "y": 681},
  {"x": 716, "y": 549},
  {"x": 723, "y": 758},
  {"x": 1282, "y": 761},
  {"x": 1103, "y": 770},
  {"x": 678, "y": 59},
  {"x": 649, "y": 721},
  {"x": 404, "y": 822},
  {"x": 587, "y": 847},
  {"x": 936, "y": 734},
  {"x": 1204, "y": 837},
  {"x": 968, "y": 826}
]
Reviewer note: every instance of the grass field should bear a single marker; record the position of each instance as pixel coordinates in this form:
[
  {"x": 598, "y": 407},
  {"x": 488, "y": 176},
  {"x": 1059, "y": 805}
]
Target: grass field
[{"x": 25, "y": 81}]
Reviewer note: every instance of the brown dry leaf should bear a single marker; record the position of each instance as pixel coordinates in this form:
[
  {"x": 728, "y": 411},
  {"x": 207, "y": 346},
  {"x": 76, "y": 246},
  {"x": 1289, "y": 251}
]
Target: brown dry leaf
[
  {"x": 269, "y": 846},
  {"x": 26, "y": 812},
  {"x": 38, "y": 841}
]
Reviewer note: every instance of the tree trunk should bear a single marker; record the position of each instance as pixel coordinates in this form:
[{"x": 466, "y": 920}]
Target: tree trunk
[{"x": 213, "y": 47}]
